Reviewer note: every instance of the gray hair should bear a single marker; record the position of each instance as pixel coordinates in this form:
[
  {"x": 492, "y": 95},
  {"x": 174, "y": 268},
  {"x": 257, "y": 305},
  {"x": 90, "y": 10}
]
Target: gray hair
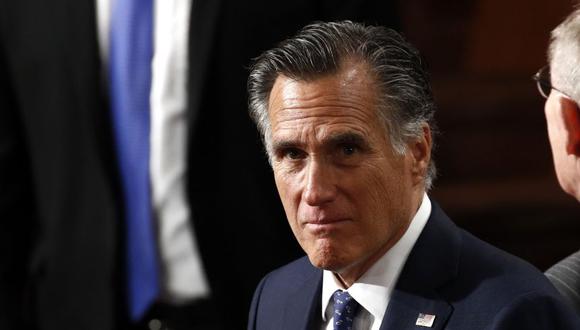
[
  {"x": 319, "y": 49},
  {"x": 564, "y": 56}
]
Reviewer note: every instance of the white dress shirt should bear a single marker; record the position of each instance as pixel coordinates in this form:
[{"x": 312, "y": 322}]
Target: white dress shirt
[
  {"x": 374, "y": 288},
  {"x": 183, "y": 276}
]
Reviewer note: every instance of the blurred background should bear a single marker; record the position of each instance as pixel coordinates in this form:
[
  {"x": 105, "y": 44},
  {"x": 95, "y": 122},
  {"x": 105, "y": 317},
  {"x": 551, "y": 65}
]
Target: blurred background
[
  {"x": 496, "y": 177},
  {"x": 58, "y": 162}
]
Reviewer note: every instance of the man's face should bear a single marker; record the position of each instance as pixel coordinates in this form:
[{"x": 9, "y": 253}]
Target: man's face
[
  {"x": 564, "y": 162},
  {"x": 347, "y": 195}
]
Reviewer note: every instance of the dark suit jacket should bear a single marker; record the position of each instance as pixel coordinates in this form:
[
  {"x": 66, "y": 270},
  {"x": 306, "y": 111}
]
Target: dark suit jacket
[
  {"x": 565, "y": 275},
  {"x": 464, "y": 282},
  {"x": 61, "y": 226}
]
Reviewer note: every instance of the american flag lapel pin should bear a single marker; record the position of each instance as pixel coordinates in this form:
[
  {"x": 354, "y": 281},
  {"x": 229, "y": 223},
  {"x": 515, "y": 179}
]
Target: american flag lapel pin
[{"x": 425, "y": 320}]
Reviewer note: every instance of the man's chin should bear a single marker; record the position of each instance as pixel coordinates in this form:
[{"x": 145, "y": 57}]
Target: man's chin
[{"x": 327, "y": 261}]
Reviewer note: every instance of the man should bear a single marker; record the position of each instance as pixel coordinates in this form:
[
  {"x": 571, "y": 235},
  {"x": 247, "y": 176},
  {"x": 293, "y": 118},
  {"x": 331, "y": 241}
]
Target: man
[
  {"x": 63, "y": 208},
  {"x": 559, "y": 83},
  {"x": 346, "y": 115}
]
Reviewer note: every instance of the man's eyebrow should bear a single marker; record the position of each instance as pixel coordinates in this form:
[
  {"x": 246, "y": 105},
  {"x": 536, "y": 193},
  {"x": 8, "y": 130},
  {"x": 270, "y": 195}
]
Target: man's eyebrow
[
  {"x": 284, "y": 144},
  {"x": 332, "y": 140},
  {"x": 347, "y": 138}
]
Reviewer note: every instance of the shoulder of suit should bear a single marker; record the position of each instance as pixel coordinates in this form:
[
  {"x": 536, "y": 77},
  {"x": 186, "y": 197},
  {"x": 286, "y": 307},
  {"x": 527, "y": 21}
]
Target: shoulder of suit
[
  {"x": 494, "y": 272},
  {"x": 290, "y": 277},
  {"x": 295, "y": 271}
]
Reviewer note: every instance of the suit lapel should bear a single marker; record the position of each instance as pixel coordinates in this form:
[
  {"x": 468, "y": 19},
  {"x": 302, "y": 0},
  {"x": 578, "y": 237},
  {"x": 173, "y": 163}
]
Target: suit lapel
[
  {"x": 82, "y": 57},
  {"x": 405, "y": 309},
  {"x": 303, "y": 310},
  {"x": 89, "y": 85},
  {"x": 430, "y": 266}
]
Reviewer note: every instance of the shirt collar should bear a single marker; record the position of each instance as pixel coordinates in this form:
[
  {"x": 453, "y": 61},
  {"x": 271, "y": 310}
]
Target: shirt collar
[{"x": 374, "y": 288}]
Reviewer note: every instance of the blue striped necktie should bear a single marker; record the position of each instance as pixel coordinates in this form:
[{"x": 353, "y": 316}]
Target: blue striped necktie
[
  {"x": 345, "y": 308},
  {"x": 130, "y": 54}
]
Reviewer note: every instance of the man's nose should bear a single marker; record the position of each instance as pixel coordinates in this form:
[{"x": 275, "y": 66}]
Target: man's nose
[{"x": 320, "y": 185}]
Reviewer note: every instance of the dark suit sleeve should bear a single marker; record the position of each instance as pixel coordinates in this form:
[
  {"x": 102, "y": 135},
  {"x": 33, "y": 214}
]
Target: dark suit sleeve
[
  {"x": 16, "y": 202},
  {"x": 537, "y": 311}
]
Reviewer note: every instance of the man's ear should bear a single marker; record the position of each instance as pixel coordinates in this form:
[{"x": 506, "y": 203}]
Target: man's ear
[
  {"x": 421, "y": 151},
  {"x": 571, "y": 114}
]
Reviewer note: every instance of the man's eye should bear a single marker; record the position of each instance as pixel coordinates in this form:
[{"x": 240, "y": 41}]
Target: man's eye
[
  {"x": 348, "y": 150},
  {"x": 293, "y": 153}
]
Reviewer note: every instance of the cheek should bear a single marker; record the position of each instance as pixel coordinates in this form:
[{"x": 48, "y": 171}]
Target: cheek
[
  {"x": 554, "y": 118},
  {"x": 288, "y": 193},
  {"x": 556, "y": 131},
  {"x": 388, "y": 193},
  {"x": 383, "y": 183}
]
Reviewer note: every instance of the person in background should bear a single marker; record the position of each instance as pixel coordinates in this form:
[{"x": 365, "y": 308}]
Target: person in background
[
  {"x": 559, "y": 83},
  {"x": 346, "y": 114},
  {"x": 133, "y": 194}
]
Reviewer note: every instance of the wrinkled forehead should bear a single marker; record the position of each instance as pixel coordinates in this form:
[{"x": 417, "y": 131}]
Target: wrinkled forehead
[
  {"x": 350, "y": 73},
  {"x": 346, "y": 98}
]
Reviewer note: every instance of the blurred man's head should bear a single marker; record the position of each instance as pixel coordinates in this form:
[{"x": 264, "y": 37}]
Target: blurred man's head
[
  {"x": 346, "y": 114},
  {"x": 560, "y": 84}
]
